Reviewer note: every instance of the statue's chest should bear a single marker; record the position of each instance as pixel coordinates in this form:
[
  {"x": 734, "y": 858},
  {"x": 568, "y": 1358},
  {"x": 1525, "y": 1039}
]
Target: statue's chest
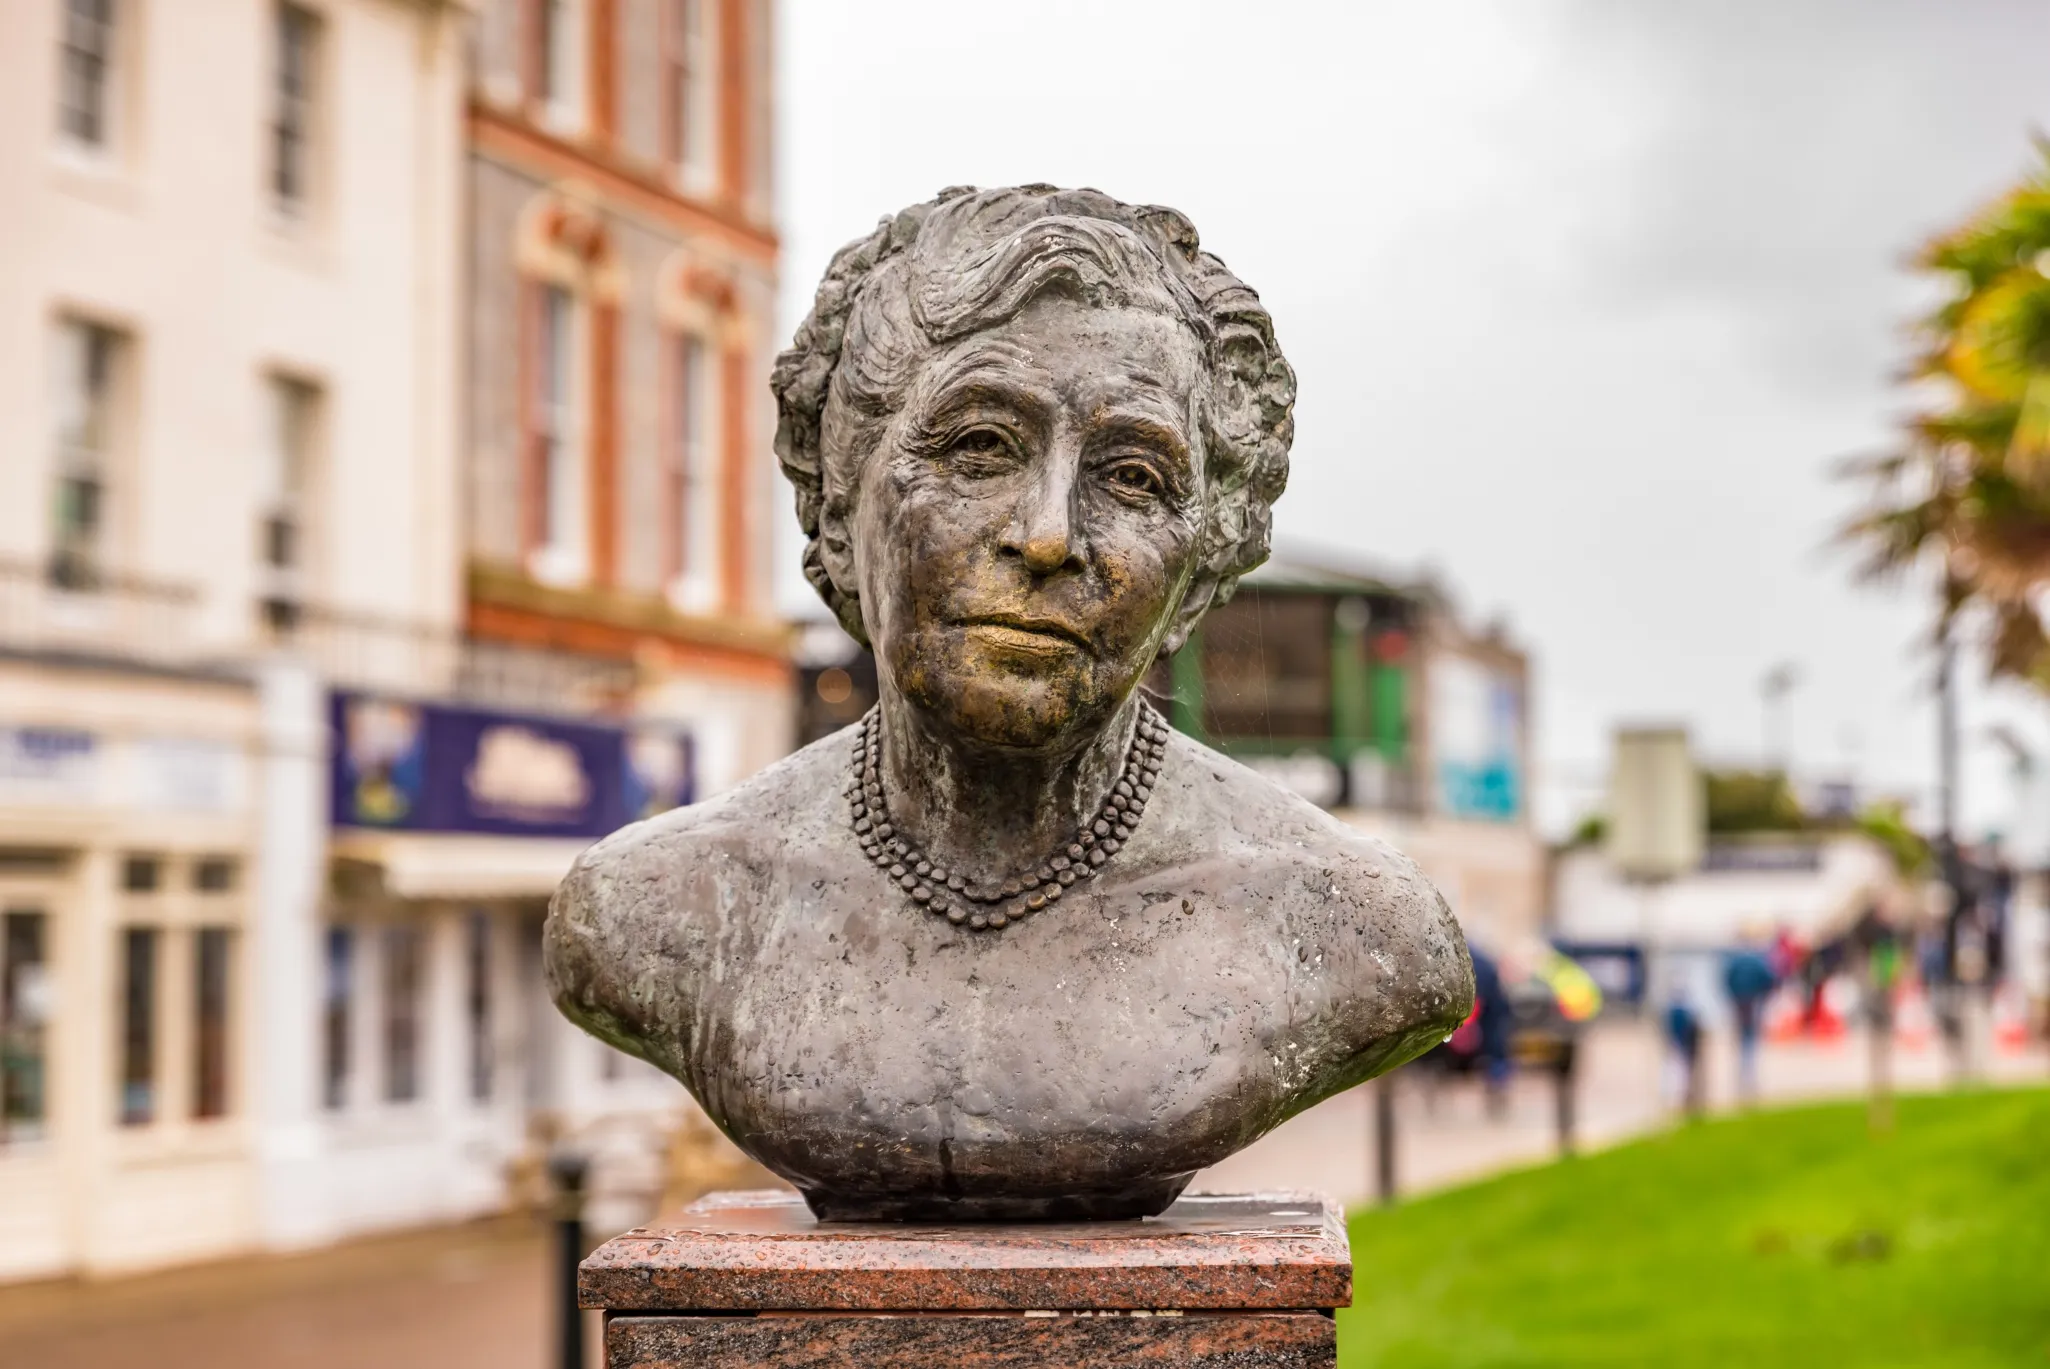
[{"x": 1002, "y": 1036}]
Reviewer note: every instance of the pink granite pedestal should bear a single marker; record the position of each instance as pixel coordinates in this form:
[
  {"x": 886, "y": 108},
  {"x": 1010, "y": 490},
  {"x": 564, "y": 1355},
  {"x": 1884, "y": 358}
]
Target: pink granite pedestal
[{"x": 751, "y": 1279}]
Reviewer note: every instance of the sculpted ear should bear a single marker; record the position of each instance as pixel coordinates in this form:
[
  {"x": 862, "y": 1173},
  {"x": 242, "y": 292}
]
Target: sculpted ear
[{"x": 836, "y": 559}]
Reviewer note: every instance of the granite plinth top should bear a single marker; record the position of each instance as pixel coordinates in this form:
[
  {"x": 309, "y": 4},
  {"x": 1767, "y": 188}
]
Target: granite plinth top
[{"x": 764, "y": 1251}]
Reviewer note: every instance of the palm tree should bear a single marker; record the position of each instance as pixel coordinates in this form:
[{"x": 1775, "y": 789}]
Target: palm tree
[{"x": 1968, "y": 489}]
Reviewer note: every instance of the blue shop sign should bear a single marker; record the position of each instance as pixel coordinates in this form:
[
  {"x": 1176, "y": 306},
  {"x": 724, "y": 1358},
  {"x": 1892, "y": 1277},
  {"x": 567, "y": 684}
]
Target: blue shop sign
[
  {"x": 45, "y": 753},
  {"x": 416, "y": 767}
]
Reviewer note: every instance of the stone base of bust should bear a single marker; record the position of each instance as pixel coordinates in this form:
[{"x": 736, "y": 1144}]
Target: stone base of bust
[
  {"x": 1126, "y": 1202},
  {"x": 752, "y": 1279}
]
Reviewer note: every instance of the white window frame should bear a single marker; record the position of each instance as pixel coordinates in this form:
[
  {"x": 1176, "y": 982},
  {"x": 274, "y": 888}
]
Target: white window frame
[
  {"x": 294, "y": 110},
  {"x": 695, "y": 29},
  {"x": 698, "y": 427},
  {"x": 85, "y": 437},
  {"x": 293, "y": 410},
  {"x": 32, "y": 988},
  {"x": 416, "y": 1010},
  {"x": 565, "y": 59},
  {"x": 341, "y": 1089},
  {"x": 558, "y": 408},
  {"x": 760, "y": 160},
  {"x": 106, "y": 147}
]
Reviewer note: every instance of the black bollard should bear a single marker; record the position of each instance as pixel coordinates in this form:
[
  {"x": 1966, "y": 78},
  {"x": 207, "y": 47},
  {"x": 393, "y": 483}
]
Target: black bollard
[
  {"x": 1384, "y": 1139},
  {"x": 1563, "y": 1095},
  {"x": 567, "y": 1169}
]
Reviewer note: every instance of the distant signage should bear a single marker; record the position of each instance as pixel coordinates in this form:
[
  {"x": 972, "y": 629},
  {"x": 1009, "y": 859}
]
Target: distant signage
[
  {"x": 1476, "y": 740},
  {"x": 71, "y": 766},
  {"x": 1762, "y": 858},
  {"x": 50, "y": 763},
  {"x": 1658, "y": 808},
  {"x": 439, "y": 768}
]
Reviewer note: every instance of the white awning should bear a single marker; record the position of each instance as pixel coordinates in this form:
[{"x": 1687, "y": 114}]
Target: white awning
[{"x": 418, "y": 865}]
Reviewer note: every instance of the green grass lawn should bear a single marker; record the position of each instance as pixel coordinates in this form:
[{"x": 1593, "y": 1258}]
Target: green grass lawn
[{"x": 1783, "y": 1238}]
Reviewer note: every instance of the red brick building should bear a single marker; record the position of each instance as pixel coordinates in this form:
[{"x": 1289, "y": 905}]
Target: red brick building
[{"x": 621, "y": 491}]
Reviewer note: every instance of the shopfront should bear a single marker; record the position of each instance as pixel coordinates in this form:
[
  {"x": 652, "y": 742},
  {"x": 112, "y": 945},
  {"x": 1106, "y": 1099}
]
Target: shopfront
[
  {"x": 443, "y": 1070},
  {"x": 126, "y": 858}
]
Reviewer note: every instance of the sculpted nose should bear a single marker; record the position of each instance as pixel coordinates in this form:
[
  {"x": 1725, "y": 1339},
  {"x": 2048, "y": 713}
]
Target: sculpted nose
[
  {"x": 1042, "y": 531},
  {"x": 1048, "y": 552}
]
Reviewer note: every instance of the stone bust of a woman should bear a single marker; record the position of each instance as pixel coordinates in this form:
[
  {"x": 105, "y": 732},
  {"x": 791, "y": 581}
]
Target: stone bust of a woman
[{"x": 1010, "y": 947}]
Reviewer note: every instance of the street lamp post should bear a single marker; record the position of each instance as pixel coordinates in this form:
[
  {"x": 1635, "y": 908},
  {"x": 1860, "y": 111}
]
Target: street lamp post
[
  {"x": 1778, "y": 684},
  {"x": 1384, "y": 1139}
]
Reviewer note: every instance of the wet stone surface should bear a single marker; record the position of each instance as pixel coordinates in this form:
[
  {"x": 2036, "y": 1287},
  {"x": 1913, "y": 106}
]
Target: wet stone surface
[
  {"x": 763, "y": 1252},
  {"x": 974, "y": 1341},
  {"x": 1216, "y": 1282}
]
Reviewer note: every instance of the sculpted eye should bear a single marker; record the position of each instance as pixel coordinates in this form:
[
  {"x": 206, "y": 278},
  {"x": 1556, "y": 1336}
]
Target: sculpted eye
[
  {"x": 1137, "y": 478},
  {"x": 981, "y": 450}
]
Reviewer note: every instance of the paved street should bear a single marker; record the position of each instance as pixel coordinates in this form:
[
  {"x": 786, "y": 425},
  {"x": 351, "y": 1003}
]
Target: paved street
[
  {"x": 478, "y": 1295},
  {"x": 468, "y": 1298},
  {"x": 1444, "y": 1136}
]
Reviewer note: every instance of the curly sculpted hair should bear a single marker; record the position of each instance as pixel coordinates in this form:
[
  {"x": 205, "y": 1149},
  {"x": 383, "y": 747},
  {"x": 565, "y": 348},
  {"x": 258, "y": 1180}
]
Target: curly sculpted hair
[{"x": 968, "y": 260}]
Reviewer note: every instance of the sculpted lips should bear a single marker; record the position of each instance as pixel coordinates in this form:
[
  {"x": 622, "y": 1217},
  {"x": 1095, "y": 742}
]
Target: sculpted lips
[{"x": 1028, "y": 633}]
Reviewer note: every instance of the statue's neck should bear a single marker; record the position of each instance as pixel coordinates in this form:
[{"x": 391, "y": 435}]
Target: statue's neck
[{"x": 990, "y": 813}]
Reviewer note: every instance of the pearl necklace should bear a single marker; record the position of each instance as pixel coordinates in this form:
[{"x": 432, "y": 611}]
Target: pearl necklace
[{"x": 949, "y": 893}]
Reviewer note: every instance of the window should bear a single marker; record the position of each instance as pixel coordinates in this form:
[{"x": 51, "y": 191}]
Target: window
[
  {"x": 86, "y": 359},
  {"x": 761, "y": 92},
  {"x": 214, "y": 875},
  {"x": 142, "y": 874},
  {"x": 298, "y": 36},
  {"x": 138, "y": 1025},
  {"x": 559, "y": 62},
  {"x": 558, "y": 438},
  {"x": 478, "y": 1004},
  {"x": 24, "y": 1009},
  {"x": 212, "y": 947},
  {"x": 85, "y": 73},
  {"x": 401, "y": 1014},
  {"x": 337, "y": 984},
  {"x": 291, "y": 409},
  {"x": 694, "y": 480},
  {"x": 689, "y": 90}
]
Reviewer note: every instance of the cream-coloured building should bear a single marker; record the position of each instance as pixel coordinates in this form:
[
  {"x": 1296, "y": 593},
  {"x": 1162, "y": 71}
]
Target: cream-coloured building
[
  {"x": 385, "y": 512},
  {"x": 229, "y": 277}
]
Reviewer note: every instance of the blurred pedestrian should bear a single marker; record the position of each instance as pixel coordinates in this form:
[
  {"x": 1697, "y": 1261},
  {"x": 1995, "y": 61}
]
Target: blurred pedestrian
[
  {"x": 1683, "y": 1041},
  {"x": 1749, "y": 981},
  {"x": 1786, "y": 954},
  {"x": 1494, "y": 1016},
  {"x": 1878, "y": 942},
  {"x": 1996, "y": 903}
]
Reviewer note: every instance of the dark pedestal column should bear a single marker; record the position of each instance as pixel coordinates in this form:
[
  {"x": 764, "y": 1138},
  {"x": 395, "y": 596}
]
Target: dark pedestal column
[{"x": 750, "y": 1279}]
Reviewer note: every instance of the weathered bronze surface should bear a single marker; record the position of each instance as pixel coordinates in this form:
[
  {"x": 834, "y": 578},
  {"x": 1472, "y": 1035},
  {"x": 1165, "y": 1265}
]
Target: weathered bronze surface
[{"x": 1035, "y": 434}]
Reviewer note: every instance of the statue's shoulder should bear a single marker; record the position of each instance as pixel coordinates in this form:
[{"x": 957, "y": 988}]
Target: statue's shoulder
[
  {"x": 770, "y": 812},
  {"x": 1312, "y": 872},
  {"x": 672, "y": 880},
  {"x": 1269, "y": 827}
]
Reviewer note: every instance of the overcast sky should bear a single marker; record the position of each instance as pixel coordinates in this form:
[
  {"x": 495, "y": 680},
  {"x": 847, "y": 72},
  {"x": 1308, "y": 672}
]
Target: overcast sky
[{"x": 1586, "y": 299}]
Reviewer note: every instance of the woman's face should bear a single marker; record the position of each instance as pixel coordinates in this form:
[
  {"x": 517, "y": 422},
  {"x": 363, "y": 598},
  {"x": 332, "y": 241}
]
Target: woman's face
[{"x": 1030, "y": 520}]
